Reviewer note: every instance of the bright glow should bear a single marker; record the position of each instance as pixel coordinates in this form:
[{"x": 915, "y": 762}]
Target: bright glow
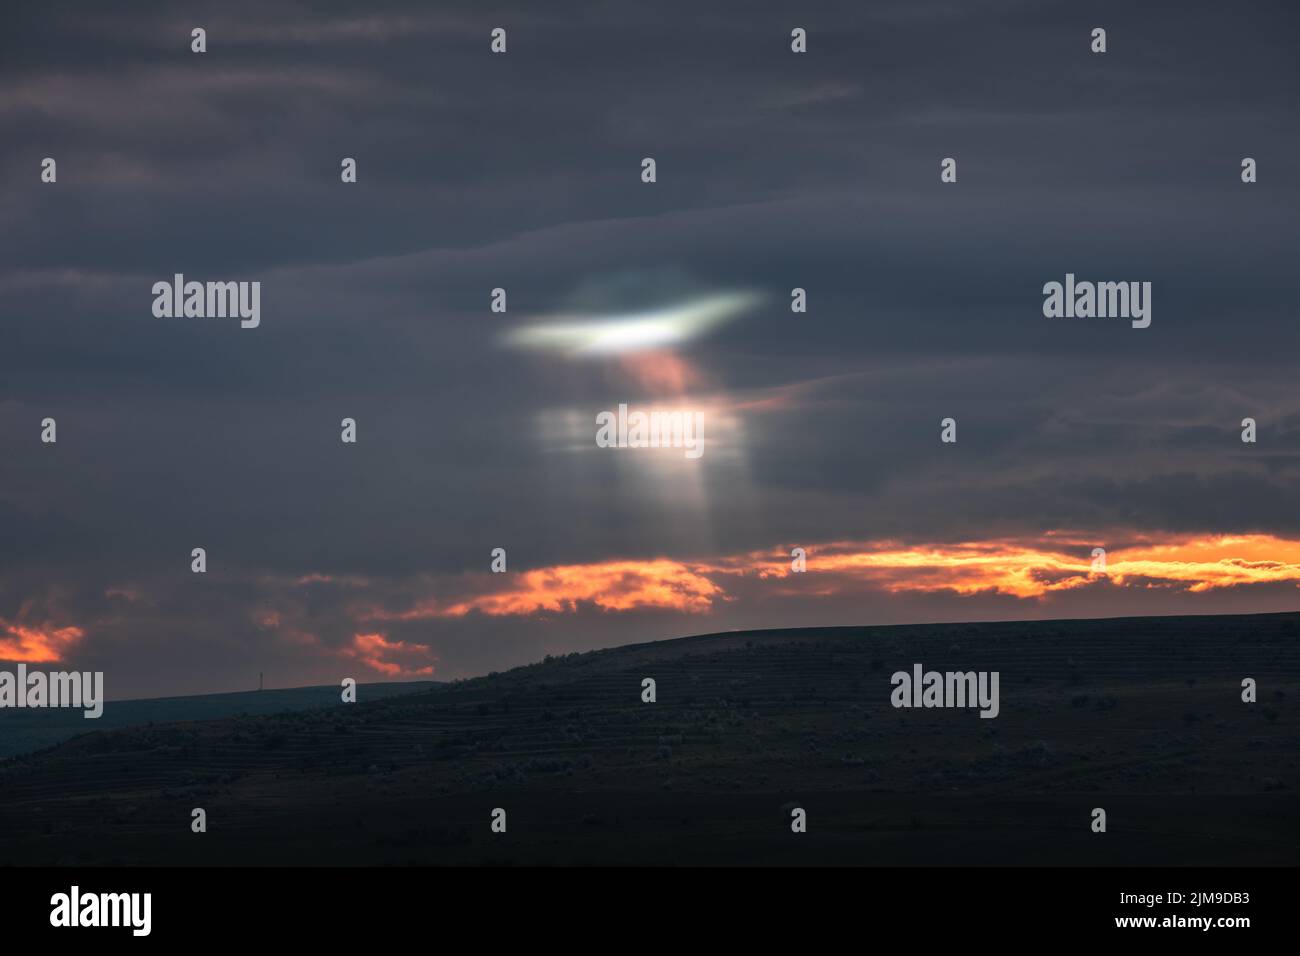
[
  {"x": 1030, "y": 570},
  {"x": 36, "y": 643},
  {"x": 632, "y": 331},
  {"x": 377, "y": 652}
]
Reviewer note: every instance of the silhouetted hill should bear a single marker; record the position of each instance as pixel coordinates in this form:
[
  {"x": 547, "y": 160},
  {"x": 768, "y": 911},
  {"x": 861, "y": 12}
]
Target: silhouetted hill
[
  {"x": 1140, "y": 716},
  {"x": 23, "y": 730}
]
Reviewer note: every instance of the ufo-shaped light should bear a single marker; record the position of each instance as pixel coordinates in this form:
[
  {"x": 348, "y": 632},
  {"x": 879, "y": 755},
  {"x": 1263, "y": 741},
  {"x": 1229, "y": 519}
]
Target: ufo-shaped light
[{"x": 593, "y": 336}]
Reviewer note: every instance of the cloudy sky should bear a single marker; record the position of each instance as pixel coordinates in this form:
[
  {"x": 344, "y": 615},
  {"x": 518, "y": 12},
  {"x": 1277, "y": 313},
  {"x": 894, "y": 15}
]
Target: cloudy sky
[{"x": 522, "y": 171}]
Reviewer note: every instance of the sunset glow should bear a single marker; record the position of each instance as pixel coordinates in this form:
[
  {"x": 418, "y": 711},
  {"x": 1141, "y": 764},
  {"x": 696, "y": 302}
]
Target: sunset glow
[
  {"x": 36, "y": 644},
  {"x": 393, "y": 658},
  {"x": 1026, "y": 570},
  {"x": 609, "y": 586}
]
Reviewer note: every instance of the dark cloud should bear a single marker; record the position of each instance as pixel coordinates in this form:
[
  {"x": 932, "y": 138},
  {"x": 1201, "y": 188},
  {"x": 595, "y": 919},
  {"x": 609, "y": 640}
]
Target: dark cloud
[{"x": 522, "y": 171}]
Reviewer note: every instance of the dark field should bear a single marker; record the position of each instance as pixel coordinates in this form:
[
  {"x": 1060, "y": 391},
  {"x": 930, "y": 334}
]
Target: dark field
[{"x": 1140, "y": 716}]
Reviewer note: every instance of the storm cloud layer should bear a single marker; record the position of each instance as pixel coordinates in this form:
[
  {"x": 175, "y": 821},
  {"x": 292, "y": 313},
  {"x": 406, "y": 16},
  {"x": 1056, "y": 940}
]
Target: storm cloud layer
[{"x": 522, "y": 171}]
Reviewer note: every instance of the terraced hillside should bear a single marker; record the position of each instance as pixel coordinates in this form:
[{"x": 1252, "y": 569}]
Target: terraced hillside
[{"x": 1142, "y": 717}]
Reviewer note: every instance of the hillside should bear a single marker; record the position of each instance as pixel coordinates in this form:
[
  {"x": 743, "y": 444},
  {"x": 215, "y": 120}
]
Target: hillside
[
  {"x": 24, "y": 731},
  {"x": 1140, "y": 716}
]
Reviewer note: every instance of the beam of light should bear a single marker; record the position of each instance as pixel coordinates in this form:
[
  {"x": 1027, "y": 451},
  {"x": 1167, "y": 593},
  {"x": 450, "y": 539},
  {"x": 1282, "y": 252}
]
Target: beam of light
[
  {"x": 634, "y": 331},
  {"x": 624, "y": 336}
]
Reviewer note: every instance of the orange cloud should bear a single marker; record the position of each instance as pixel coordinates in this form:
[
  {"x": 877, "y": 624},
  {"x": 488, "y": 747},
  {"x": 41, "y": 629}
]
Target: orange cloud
[
  {"x": 1034, "y": 569},
  {"x": 610, "y": 586},
  {"x": 375, "y": 651},
  {"x": 964, "y": 568},
  {"x": 36, "y": 644},
  {"x": 1204, "y": 564}
]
